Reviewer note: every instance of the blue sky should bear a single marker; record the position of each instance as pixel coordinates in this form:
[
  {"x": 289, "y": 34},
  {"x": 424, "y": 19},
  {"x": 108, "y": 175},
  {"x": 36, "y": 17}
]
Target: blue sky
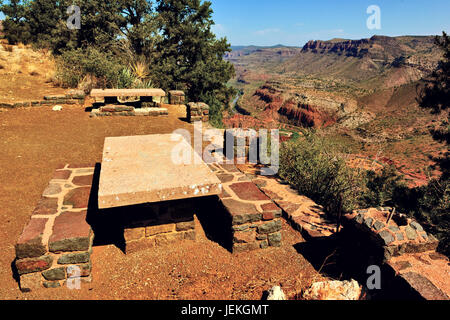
[{"x": 294, "y": 22}]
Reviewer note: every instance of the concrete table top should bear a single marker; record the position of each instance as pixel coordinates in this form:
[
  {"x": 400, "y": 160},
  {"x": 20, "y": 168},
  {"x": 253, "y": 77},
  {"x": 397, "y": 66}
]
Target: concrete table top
[{"x": 140, "y": 169}]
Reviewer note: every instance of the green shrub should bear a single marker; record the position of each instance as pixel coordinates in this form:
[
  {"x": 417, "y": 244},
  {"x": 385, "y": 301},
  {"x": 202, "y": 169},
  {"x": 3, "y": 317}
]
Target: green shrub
[
  {"x": 434, "y": 211},
  {"x": 216, "y": 108},
  {"x": 316, "y": 169},
  {"x": 382, "y": 189},
  {"x": 74, "y": 65}
]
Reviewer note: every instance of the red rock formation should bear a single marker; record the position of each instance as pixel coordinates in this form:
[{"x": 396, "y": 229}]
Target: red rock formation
[{"x": 304, "y": 115}]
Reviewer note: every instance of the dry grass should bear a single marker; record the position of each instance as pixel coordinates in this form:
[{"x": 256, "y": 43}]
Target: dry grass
[
  {"x": 25, "y": 74},
  {"x": 22, "y": 59}
]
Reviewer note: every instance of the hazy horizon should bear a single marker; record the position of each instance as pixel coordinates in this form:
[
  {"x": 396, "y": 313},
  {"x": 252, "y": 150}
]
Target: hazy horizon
[{"x": 344, "y": 39}]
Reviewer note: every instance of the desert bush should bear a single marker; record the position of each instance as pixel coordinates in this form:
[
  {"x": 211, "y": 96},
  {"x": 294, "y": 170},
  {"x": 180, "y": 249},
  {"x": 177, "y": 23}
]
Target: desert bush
[
  {"x": 433, "y": 210},
  {"x": 125, "y": 78},
  {"x": 74, "y": 65},
  {"x": 316, "y": 169},
  {"x": 381, "y": 189},
  {"x": 136, "y": 76}
]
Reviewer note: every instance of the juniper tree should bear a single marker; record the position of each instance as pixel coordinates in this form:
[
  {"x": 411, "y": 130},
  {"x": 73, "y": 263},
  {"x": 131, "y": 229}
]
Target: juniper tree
[
  {"x": 15, "y": 26},
  {"x": 191, "y": 58}
]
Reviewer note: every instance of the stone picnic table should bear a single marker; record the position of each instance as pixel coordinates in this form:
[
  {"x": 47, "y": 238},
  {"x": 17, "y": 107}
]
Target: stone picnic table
[
  {"x": 140, "y": 169},
  {"x": 154, "y": 193},
  {"x": 144, "y": 102}
]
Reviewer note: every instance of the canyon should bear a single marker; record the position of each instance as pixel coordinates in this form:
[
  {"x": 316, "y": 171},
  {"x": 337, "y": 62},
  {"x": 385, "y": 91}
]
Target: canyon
[{"x": 359, "y": 92}]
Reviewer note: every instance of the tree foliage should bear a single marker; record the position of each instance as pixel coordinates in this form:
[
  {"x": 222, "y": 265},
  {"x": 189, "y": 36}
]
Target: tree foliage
[
  {"x": 434, "y": 201},
  {"x": 191, "y": 56},
  {"x": 172, "y": 37},
  {"x": 317, "y": 169}
]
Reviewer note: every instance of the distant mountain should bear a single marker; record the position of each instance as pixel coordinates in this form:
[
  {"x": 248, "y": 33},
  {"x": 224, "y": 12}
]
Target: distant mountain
[
  {"x": 238, "y": 51},
  {"x": 361, "y": 92},
  {"x": 378, "y": 61}
]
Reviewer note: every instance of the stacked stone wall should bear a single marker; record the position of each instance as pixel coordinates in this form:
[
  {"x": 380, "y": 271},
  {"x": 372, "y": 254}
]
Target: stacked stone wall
[{"x": 56, "y": 244}]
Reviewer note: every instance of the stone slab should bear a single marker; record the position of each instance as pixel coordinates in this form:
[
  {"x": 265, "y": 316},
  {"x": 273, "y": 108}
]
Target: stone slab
[
  {"x": 127, "y": 93},
  {"x": 424, "y": 287},
  {"x": 71, "y": 232},
  {"x": 248, "y": 191},
  {"x": 140, "y": 169},
  {"x": 30, "y": 242}
]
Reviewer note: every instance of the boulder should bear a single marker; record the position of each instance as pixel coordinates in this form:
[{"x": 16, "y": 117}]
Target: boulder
[
  {"x": 275, "y": 293},
  {"x": 333, "y": 290}
]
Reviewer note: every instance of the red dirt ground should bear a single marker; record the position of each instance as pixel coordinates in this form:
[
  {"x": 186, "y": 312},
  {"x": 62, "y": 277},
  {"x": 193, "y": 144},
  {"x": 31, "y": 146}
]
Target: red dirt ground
[{"x": 34, "y": 141}]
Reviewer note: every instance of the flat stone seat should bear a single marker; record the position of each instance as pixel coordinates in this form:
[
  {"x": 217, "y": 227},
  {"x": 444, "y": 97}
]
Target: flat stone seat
[
  {"x": 58, "y": 237},
  {"x": 96, "y": 93},
  {"x": 139, "y": 169}
]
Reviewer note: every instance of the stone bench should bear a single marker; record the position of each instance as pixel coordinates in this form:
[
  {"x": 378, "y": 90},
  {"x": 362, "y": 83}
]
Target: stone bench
[
  {"x": 143, "y": 98},
  {"x": 56, "y": 244},
  {"x": 115, "y": 93},
  {"x": 255, "y": 221}
]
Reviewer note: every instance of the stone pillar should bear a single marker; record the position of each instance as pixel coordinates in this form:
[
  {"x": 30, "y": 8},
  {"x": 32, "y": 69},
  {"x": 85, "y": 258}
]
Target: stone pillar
[
  {"x": 197, "y": 111},
  {"x": 248, "y": 139},
  {"x": 176, "y": 97}
]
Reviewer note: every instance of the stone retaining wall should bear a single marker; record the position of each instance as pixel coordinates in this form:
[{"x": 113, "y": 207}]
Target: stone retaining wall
[
  {"x": 407, "y": 252},
  {"x": 70, "y": 98},
  {"x": 56, "y": 244},
  {"x": 401, "y": 235},
  {"x": 197, "y": 111}
]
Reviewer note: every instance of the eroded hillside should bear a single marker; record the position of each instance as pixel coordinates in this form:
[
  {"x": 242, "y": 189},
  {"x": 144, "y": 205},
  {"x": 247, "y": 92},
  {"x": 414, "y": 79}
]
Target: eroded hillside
[{"x": 360, "y": 92}]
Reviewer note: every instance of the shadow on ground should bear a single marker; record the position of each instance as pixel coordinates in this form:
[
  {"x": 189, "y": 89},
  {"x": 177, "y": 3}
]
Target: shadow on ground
[
  {"x": 215, "y": 221},
  {"x": 104, "y": 223},
  {"x": 184, "y": 119},
  {"x": 108, "y": 224},
  {"x": 339, "y": 257}
]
